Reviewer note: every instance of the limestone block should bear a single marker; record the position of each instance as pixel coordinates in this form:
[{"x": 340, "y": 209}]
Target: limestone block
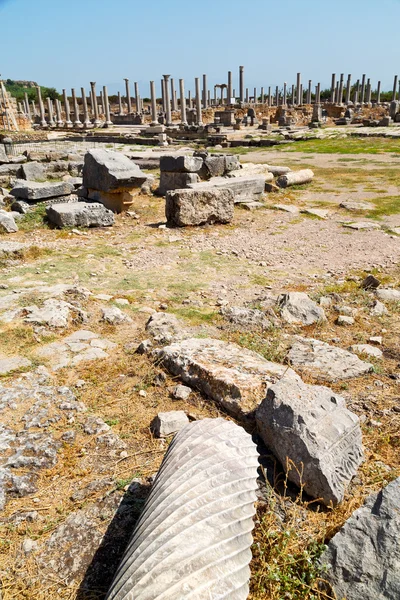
[
  {"x": 231, "y": 163},
  {"x": 3, "y": 156},
  {"x": 214, "y": 166},
  {"x": 363, "y": 558},
  {"x": 278, "y": 170},
  {"x": 80, "y": 214},
  {"x": 193, "y": 537},
  {"x": 175, "y": 181},
  {"x": 7, "y": 222},
  {"x": 110, "y": 171},
  {"x": 166, "y": 423},
  {"x": 180, "y": 164},
  {"x": 388, "y": 294},
  {"x": 295, "y": 178},
  {"x": 8, "y": 364},
  {"x": 116, "y": 201},
  {"x": 33, "y": 190},
  {"x": 311, "y": 427},
  {"x": 192, "y": 207},
  {"x": 245, "y": 189},
  {"x": 297, "y": 307},
  {"x": 32, "y": 171}
]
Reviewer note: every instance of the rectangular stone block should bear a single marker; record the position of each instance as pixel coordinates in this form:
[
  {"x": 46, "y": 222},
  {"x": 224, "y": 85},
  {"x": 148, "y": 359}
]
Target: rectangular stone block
[
  {"x": 181, "y": 164},
  {"x": 110, "y": 171},
  {"x": 33, "y": 190},
  {"x": 117, "y": 202},
  {"x": 192, "y": 207},
  {"x": 244, "y": 188},
  {"x": 175, "y": 181},
  {"x": 80, "y": 214}
]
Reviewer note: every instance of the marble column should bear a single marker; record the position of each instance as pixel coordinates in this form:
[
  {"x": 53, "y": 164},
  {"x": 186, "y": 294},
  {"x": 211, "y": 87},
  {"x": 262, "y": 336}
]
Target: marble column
[
  {"x": 164, "y": 106},
  {"x": 241, "y": 84},
  {"x": 106, "y": 107},
  {"x": 137, "y": 97},
  {"x": 50, "y": 111},
  {"x": 58, "y": 113},
  {"x": 41, "y": 107},
  {"x": 357, "y": 92},
  {"x": 394, "y": 88},
  {"x": 167, "y": 100},
  {"x": 95, "y": 107},
  {"x": 301, "y": 94},
  {"x": 284, "y": 99},
  {"x": 215, "y": 95},
  {"x": 234, "y": 94},
  {"x": 293, "y": 96},
  {"x": 333, "y": 87},
  {"x": 337, "y": 93},
  {"x": 269, "y": 96},
  {"x": 173, "y": 96},
  {"x": 198, "y": 102},
  {"x": 262, "y": 95},
  {"x": 121, "y": 111},
  {"x": 86, "y": 120},
  {"x": 341, "y": 88},
  {"x": 318, "y": 94},
  {"x": 77, "y": 122},
  {"x": 128, "y": 96},
  {"x": 204, "y": 91},
  {"x": 154, "y": 119},
  {"x": 190, "y": 99},
  {"x": 378, "y": 93},
  {"x": 101, "y": 105},
  {"x": 363, "y": 89},
  {"x": 229, "y": 86},
  {"x": 309, "y": 93},
  {"x": 255, "y": 95},
  {"x": 368, "y": 92},
  {"x": 348, "y": 89},
  {"x": 277, "y": 96},
  {"x": 209, "y": 97},
  {"x": 298, "y": 89},
  {"x": 28, "y": 110},
  {"x": 247, "y": 95},
  {"x": 34, "y": 113},
  {"x": 183, "y": 101}
]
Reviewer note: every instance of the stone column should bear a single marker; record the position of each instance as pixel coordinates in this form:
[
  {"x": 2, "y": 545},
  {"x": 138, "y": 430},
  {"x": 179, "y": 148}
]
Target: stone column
[
  {"x": 262, "y": 95},
  {"x": 121, "y": 111},
  {"x": 229, "y": 86},
  {"x": 348, "y": 88},
  {"x": 204, "y": 91},
  {"x": 173, "y": 96},
  {"x": 128, "y": 96},
  {"x": 198, "y": 102},
  {"x": 333, "y": 87},
  {"x": 241, "y": 84},
  {"x": 137, "y": 97},
  {"x": 247, "y": 95},
  {"x": 337, "y": 93},
  {"x": 86, "y": 120},
  {"x": 301, "y": 94},
  {"x": 58, "y": 113},
  {"x": 255, "y": 95},
  {"x": 341, "y": 88},
  {"x": 284, "y": 98},
  {"x": 154, "y": 120},
  {"x": 234, "y": 94},
  {"x": 293, "y": 96},
  {"x": 209, "y": 97},
  {"x": 363, "y": 89},
  {"x": 309, "y": 93},
  {"x": 101, "y": 105},
  {"x": 190, "y": 99},
  {"x": 167, "y": 100},
  {"x": 298, "y": 89},
  {"x": 318, "y": 94},
  {"x": 50, "y": 111},
  {"x": 269, "y": 96},
  {"x": 97, "y": 121},
  {"x": 357, "y": 92},
  {"x": 77, "y": 122},
  {"x": 41, "y": 107},
  {"x": 368, "y": 93},
  {"x": 27, "y": 109},
  {"x": 378, "y": 93},
  {"x": 34, "y": 113},
  {"x": 183, "y": 101},
  {"x": 394, "y": 88},
  {"x": 215, "y": 95},
  {"x": 164, "y": 106},
  {"x": 277, "y": 96}
]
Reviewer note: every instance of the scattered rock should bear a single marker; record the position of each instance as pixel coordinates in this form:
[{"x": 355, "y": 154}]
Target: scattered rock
[
  {"x": 362, "y": 225},
  {"x": 144, "y": 347},
  {"x": 370, "y": 283},
  {"x": 181, "y": 392},
  {"x": 110, "y": 171},
  {"x": 166, "y": 423},
  {"x": 7, "y": 222},
  {"x": 192, "y": 207},
  {"x": 114, "y": 315},
  {"x": 388, "y": 294},
  {"x": 316, "y": 212},
  {"x": 165, "y": 328},
  {"x": 95, "y": 425},
  {"x": 295, "y": 178},
  {"x": 378, "y": 309},
  {"x": 13, "y": 363},
  {"x": 246, "y": 317},
  {"x": 344, "y": 320},
  {"x": 297, "y": 307},
  {"x": 366, "y": 349},
  {"x": 80, "y": 214},
  {"x": 290, "y": 208},
  {"x": 53, "y": 313},
  {"x": 33, "y": 190},
  {"x": 356, "y": 206},
  {"x": 32, "y": 171},
  {"x": 181, "y": 164}
]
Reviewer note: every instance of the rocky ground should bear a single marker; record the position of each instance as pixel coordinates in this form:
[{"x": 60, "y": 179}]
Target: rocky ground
[{"x": 77, "y": 455}]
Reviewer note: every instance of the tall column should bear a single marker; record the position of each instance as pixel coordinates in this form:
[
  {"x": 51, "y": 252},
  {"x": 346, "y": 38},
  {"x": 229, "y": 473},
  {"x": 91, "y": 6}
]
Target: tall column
[
  {"x": 284, "y": 99},
  {"x": 41, "y": 107},
  {"x": 363, "y": 89},
  {"x": 309, "y": 94},
  {"x": 337, "y": 93},
  {"x": 106, "y": 106},
  {"x": 277, "y": 96},
  {"x": 164, "y": 106},
  {"x": 209, "y": 97},
  {"x": 173, "y": 96},
  {"x": 198, "y": 102},
  {"x": 394, "y": 88},
  {"x": 204, "y": 91},
  {"x": 348, "y": 88},
  {"x": 121, "y": 111},
  {"x": 28, "y": 110},
  {"x": 247, "y": 95},
  {"x": 293, "y": 96},
  {"x": 222, "y": 95},
  {"x": 154, "y": 120},
  {"x": 229, "y": 86},
  {"x": 167, "y": 100},
  {"x": 190, "y": 99},
  {"x": 255, "y": 95},
  {"x": 368, "y": 94},
  {"x": 33, "y": 108},
  {"x": 183, "y": 101},
  {"x": 50, "y": 111},
  {"x": 215, "y": 95},
  {"x": 357, "y": 92},
  {"x": 341, "y": 88},
  {"x": 234, "y": 94},
  {"x": 262, "y": 95},
  {"x": 97, "y": 121},
  {"x": 318, "y": 94},
  {"x": 137, "y": 97},
  {"x": 241, "y": 84},
  {"x": 77, "y": 122},
  {"x": 58, "y": 113},
  {"x": 378, "y": 93},
  {"x": 301, "y": 93},
  {"x": 298, "y": 84},
  {"x": 86, "y": 120},
  {"x": 333, "y": 87},
  {"x": 269, "y": 96},
  {"x": 128, "y": 96}
]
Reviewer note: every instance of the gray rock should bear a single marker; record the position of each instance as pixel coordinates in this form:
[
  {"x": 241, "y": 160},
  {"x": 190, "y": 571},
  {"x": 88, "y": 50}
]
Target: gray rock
[
  {"x": 297, "y": 307},
  {"x": 246, "y": 317},
  {"x": 316, "y": 212},
  {"x": 80, "y": 214},
  {"x": 166, "y": 423},
  {"x": 53, "y": 313},
  {"x": 95, "y": 425},
  {"x": 32, "y": 171},
  {"x": 234, "y": 377},
  {"x": 194, "y": 535},
  {"x": 165, "y": 328},
  {"x": 110, "y": 171},
  {"x": 232, "y": 163},
  {"x": 366, "y": 349},
  {"x": 357, "y": 206},
  {"x": 245, "y": 189},
  {"x": 363, "y": 558},
  {"x": 192, "y": 207},
  {"x": 175, "y": 181},
  {"x": 214, "y": 166},
  {"x": 180, "y": 164},
  {"x": 7, "y": 222},
  {"x": 295, "y": 178},
  {"x": 13, "y": 363},
  {"x": 29, "y": 545},
  {"x": 144, "y": 347},
  {"x": 290, "y": 208},
  {"x": 370, "y": 283},
  {"x": 3, "y": 156},
  {"x": 317, "y": 440},
  {"x": 114, "y": 315},
  {"x": 7, "y": 170},
  {"x": 325, "y": 361},
  {"x": 33, "y": 190},
  {"x": 345, "y": 320},
  {"x": 362, "y": 225},
  {"x": 277, "y": 170},
  {"x": 21, "y": 207},
  {"x": 181, "y": 392},
  {"x": 388, "y": 294},
  {"x": 378, "y": 309}
]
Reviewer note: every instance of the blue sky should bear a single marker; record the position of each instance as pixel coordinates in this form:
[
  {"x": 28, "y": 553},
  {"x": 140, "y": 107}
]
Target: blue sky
[{"x": 67, "y": 43}]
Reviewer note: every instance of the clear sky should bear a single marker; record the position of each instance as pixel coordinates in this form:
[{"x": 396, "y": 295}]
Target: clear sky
[{"x": 67, "y": 43}]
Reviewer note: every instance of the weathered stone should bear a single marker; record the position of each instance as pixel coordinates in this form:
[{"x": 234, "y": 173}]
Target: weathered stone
[
  {"x": 246, "y": 317},
  {"x": 166, "y": 423},
  {"x": 366, "y": 349},
  {"x": 277, "y": 170},
  {"x": 245, "y": 189},
  {"x": 317, "y": 440},
  {"x": 194, "y": 540},
  {"x": 378, "y": 309},
  {"x": 290, "y": 208},
  {"x": 370, "y": 283},
  {"x": 110, "y": 171},
  {"x": 356, "y": 206},
  {"x": 95, "y": 425},
  {"x": 181, "y": 392},
  {"x": 388, "y": 294},
  {"x": 192, "y": 207},
  {"x": 7, "y": 222},
  {"x": 316, "y": 212},
  {"x": 326, "y": 362},
  {"x": 234, "y": 377},
  {"x": 3, "y": 156},
  {"x": 363, "y": 559},
  {"x": 32, "y": 171},
  {"x": 80, "y": 214},
  {"x": 214, "y": 166},
  {"x": 297, "y": 307},
  {"x": 295, "y": 178},
  {"x": 33, "y": 190},
  {"x": 144, "y": 347},
  {"x": 21, "y": 207},
  {"x": 165, "y": 328},
  {"x": 175, "y": 181},
  {"x": 12, "y": 363},
  {"x": 362, "y": 225},
  {"x": 180, "y": 164},
  {"x": 345, "y": 320},
  {"x": 114, "y": 315},
  {"x": 53, "y": 313},
  {"x": 8, "y": 170}
]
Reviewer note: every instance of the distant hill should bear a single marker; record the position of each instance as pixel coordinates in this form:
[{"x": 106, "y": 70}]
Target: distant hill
[{"x": 18, "y": 88}]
